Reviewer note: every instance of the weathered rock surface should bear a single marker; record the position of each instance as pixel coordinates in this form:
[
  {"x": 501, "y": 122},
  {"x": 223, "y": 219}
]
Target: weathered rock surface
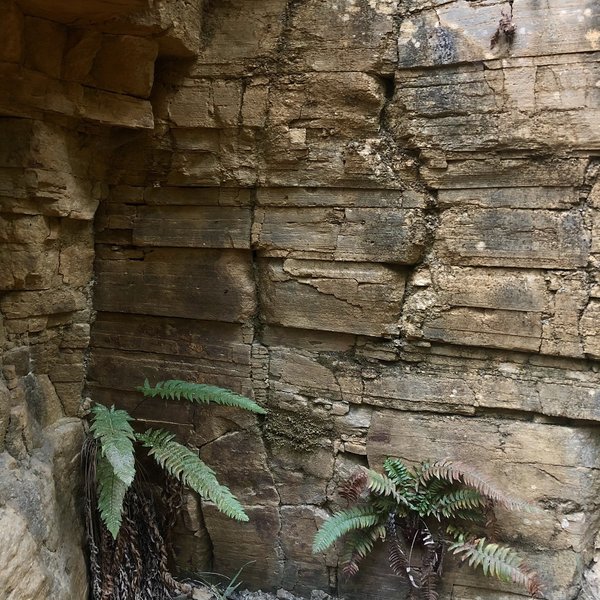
[
  {"x": 69, "y": 71},
  {"x": 40, "y": 520},
  {"x": 413, "y": 216},
  {"x": 358, "y": 212}
]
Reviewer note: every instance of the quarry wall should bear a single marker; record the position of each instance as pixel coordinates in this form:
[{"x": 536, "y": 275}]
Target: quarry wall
[{"x": 357, "y": 212}]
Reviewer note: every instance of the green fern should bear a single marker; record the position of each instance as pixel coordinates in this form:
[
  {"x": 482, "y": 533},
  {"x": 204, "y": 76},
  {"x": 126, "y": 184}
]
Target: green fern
[
  {"x": 383, "y": 486},
  {"x": 175, "y": 389},
  {"x": 423, "y": 508},
  {"x": 399, "y": 473},
  {"x": 342, "y": 522},
  {"x": 360, "y": 544},
  {"x": 114, "y": 433},
  {"x": 111, "y": 494},
  {"x": 497, "y": 561},
  {"x": 450, "y": 504},
  {"x": 185, "y": 466}
]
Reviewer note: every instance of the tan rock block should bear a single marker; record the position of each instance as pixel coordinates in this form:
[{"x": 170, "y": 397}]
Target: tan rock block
[
  {"x": 533, "y": 461},
  {"x": 329, "y": 37},
  {"x": 23, "y": 570},
  {"x": 505, "y": 104},
  {"x": 240, "y": 461},
  {"x": 302, "y": 477},
  {"x": 28, "y": 267},
  {"x": 484, "y": 171},
  {"x": 193, "y": 227},
  {"x": 399, "y": 388},
  {"x": 507, "y": 289},
  {"x": 82, "y": 47},
  {"x": 31, "y": 230},
  {"x": 255, "y": 104},
  {"x": 198, "y": 284},
  {"x": 489, "y": 328},
  {"x": 331, "y": 197},
  {"x": 113, "y": 109},
  {"x": 511, "y": 197},
  {"x": 192, "y": 105},
  {"x": 590, "y": 330},
  {"x": 70, "y": 396},
  {"x": 352, "y": 234},
  {"x": 459, "y": 32},
  {"x": 516, "y": 238},
  {"x": 11, "y": 32},
  {"x": 42, "y": 399},
  {"x": 125, "y": 64},
  {"x": 45, "y": 44},
  {"x": 560, "y": 572},
  {"x": 76, "y": 337},
  {"x": 235, "y": 543},
  {"x": 247, "y": 35},
  {"x": 176, "y": 26},
  {"x": 561, "y": 330},
  {"x": 347, "y": 297},
  {"x": 292, "y": 371},
  {"x": 76, "y": 264},
  {"x": 478, "y": 306},
  {"x": 305, "y": 571},
  {"x": 565, "y": 86},
  {"x": 214, "y": 342},
  {"x": 306, "y": 102},
  {"x": 194, "y": 169},
  {"x": 30, "y": 324},
  {"x": 206, "y": 196},
  {"x": 201, "y": 139},
  {"x": 25, "y": 304},
  {"x": 227, "y": 101}
]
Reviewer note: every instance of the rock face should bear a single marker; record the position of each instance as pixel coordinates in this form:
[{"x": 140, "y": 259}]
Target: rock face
[
  {"x": 358, "y": 212},
  {"x": 68, "y": 79},
  {"x": 383, "y": 229}
]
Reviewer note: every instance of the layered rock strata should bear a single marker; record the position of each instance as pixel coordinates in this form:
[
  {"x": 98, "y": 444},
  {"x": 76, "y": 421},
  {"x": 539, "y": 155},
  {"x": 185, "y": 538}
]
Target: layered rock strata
[
  {"x": 357, "y": 212},
  {"x": 384, "y": 230}
]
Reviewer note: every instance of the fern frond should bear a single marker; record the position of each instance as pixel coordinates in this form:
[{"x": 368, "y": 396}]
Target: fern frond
[
  {"x": 397, "y": 557},
  {"x": 354, "y": 486},
  {"x": 359, "y": 546},
  {"x": 342, "y": 522},
  {"x": 184, "y": 465},
  {"x": 200, "y": 393},
  {"x": 115, "y": 435},
  {"x": 399, "y": 473},
  {"x": 458, "y": 472},
  {"x": 111, "y": 494},
  {"x": 450, "y": 504},
  {"x": 497, "y": 561},
  {"x": 383, "y": 486}
]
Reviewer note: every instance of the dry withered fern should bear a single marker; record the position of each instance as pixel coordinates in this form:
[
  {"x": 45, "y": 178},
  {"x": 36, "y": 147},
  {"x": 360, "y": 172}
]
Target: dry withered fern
[{"x": 134, "y": 565}]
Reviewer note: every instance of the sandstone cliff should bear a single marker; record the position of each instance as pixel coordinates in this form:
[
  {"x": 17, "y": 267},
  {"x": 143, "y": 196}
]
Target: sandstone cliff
[{"x": 355, "y": 210}]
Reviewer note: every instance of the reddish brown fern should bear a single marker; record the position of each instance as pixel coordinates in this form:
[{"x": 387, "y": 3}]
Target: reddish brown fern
[
  {"x": 453, "y": 471},
  {"x": 354, "y": 486}
]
